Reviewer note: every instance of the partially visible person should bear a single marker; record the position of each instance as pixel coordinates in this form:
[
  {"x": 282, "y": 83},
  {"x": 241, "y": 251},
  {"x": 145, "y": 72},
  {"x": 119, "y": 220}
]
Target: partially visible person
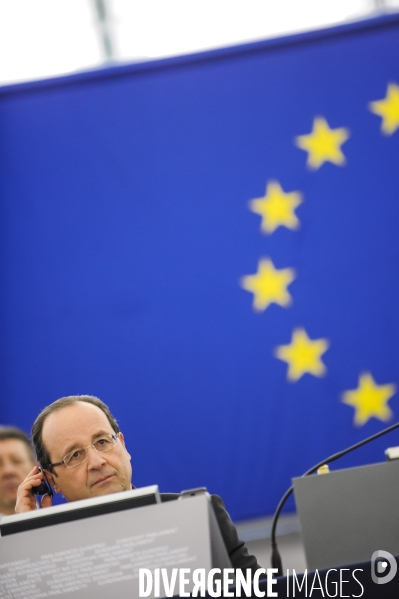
[{"x": 16, "y": 461}]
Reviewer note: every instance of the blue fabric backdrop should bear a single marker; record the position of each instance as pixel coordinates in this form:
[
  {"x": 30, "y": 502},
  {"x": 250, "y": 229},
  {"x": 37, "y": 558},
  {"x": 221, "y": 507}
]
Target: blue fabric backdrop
[{"x": 129, "y": 245}]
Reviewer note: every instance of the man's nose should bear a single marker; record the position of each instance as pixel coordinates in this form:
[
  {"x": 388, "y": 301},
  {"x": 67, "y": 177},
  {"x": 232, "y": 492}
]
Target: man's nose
[
  {"x": 8, "y": 469},
  {"x": 95, "y": 458}
]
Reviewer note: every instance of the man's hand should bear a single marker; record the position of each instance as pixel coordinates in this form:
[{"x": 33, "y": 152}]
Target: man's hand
[{"x": 26, "y": 500}]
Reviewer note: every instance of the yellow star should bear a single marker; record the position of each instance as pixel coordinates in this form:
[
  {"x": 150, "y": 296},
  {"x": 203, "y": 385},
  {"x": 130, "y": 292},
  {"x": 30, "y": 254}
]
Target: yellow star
[
  {"x": 323, "y": 144},
  {"x": 388, "y": 109},
  {"x": 269, "y": 285},
  {"x": 370, "y": 399},
  {"x": 276, "y": 208},
  {"x": 303, "y": 355}
]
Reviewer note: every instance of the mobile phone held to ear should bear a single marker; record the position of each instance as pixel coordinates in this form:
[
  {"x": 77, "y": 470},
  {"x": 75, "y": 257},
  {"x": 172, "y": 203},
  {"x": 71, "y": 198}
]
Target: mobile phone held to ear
[{"x": 44, "y": 487}]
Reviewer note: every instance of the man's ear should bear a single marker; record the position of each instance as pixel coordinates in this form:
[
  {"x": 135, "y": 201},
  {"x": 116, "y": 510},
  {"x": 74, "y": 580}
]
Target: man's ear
[
  {"x": 52, "y": 480},
  {"x": 122, "y": 438}
]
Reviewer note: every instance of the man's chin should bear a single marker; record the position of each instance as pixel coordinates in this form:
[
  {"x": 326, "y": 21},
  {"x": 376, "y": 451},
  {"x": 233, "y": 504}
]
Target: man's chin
[
  {"x": 105, "y": 487},
  {"x": 7, "y": 506}
]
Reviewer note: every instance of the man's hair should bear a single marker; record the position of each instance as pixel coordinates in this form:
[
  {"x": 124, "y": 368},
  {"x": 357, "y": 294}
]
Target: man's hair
[
  {"x": 37, "y": 428},
  {"x": 12, "y": 432}
]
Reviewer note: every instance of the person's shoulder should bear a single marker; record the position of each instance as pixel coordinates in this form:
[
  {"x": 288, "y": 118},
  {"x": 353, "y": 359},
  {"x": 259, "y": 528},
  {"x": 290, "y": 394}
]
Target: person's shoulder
[{"x": 238, "y": 553}]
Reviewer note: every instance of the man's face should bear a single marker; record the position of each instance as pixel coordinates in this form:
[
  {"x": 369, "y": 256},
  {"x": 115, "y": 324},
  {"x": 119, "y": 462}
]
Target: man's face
[
  {"x": 15, "y": 464},
  {"x": 74, "y": 427}
]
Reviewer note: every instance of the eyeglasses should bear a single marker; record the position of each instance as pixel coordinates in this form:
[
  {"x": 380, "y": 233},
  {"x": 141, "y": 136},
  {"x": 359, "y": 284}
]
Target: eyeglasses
[{"x": 78, "y": 456}]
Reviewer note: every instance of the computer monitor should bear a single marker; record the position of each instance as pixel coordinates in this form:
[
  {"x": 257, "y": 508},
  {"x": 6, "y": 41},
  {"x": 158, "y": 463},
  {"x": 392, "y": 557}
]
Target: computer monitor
[{"x": 347, "y": 515}]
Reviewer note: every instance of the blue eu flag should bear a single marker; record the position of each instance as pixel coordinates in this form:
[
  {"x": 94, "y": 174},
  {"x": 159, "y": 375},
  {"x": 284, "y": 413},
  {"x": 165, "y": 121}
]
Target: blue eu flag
[{"x": 210, "y": 245}]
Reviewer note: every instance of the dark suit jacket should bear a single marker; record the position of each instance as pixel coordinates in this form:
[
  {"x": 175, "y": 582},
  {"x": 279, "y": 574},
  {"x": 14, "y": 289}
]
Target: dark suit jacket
[{"x": 239, "y": 556}]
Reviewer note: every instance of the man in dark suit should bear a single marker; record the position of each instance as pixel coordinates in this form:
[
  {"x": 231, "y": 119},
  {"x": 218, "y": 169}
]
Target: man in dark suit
[{"x": 83, "y": 454}]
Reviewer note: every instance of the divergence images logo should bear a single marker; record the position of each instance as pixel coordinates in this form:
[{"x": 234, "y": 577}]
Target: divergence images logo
[{"x": 383, "y": 567}]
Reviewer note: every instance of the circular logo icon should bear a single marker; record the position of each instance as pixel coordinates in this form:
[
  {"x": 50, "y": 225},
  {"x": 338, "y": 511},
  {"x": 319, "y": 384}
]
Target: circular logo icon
[{"x": 383, "y": 567}]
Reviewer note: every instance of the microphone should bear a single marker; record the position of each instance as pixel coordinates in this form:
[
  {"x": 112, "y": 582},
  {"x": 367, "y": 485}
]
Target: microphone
[{"x": 276, "y": 558}]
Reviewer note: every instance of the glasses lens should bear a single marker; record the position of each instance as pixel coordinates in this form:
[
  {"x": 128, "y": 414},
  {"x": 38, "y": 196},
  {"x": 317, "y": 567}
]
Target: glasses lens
[
  {"x": 106, "y": 443},
  {"x": 75, "y": 458}
]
